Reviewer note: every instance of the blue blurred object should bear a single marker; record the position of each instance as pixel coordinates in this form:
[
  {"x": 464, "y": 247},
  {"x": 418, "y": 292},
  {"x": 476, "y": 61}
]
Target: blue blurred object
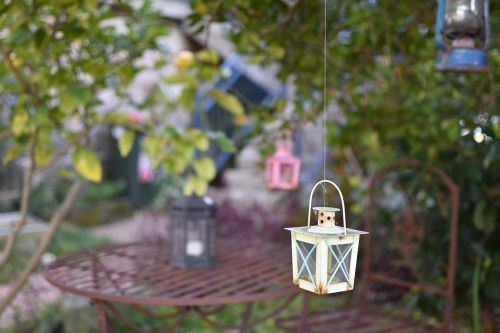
[
  {"x": 238, "y": 79},
  {"x": 463, "y": 23},
  {"x": 462, "y": 60}
]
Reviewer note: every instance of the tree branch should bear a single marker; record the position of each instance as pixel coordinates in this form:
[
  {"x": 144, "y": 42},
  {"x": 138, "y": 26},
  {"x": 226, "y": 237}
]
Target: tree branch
[
  {"x": 19, "y": 77},
  {"x": 288, "y": 16},
  {"x": 26, "y": 194},
  {"x": 55, "y": 221}
]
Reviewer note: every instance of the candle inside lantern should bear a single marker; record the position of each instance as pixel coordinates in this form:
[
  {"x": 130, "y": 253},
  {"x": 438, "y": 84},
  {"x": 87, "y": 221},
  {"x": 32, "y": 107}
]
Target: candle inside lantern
[{"x": 194, "y": 248}]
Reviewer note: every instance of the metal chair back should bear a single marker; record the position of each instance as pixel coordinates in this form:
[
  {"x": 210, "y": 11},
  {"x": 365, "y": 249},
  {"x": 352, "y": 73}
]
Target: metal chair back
[{"x": 412, "y": 232}]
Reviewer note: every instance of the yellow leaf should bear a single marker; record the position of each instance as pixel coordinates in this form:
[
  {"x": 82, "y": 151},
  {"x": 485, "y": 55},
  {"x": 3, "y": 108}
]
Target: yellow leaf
[
  {"x": 184, "y": 59},
  {"x": 205, "y": 168},
  {"x": 195, "y": 185},
  {"x": 19, "y": 123},
  {"x": 87, "y": 164},
  {"x": 43, "y": 155},
  {"x": 13, "y": 151},
  {"x": 151, "y": 145},
  {"x": 126, "y": 142},
  {"x": 198, "y": 139},
  {"x": 15, "y": 60},
  {"x": 241, "y": 120}
]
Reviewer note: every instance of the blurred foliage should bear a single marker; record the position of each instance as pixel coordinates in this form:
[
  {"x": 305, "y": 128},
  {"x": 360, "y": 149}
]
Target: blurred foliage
[
  {"x": 392, "y": 103},
  {"x": 68, "y": 239},
  {"x": 165, "y": 190},
  {"x": 57, "y": 57},
  {"x": 49, "y": 320},
  {"x": 71, "y": 238},
  {"x": 96, "y": 205},
  {"x": 380, "y": 73},
  {"x": 101, "y": 192}
]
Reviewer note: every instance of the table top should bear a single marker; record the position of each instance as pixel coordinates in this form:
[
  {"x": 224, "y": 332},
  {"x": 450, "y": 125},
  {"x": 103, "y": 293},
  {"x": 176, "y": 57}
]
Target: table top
[{"x": 139, "y": 273}]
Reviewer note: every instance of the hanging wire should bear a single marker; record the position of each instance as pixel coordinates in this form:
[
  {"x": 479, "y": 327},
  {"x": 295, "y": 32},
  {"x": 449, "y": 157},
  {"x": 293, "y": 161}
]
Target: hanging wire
[{"x": 324, "y": 99}]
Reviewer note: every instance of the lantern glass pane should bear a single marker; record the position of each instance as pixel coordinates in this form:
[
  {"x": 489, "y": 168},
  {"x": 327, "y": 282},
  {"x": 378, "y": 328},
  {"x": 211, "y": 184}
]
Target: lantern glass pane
[
  {"x": 194, "y": 238},
  {"x": 178, "y": 233},
  {"x": 339, "y": 262},
  {"x": 306, "y": 261},
  {"x": 286, "y": 172},
  {"x": 463, "y": 17}
]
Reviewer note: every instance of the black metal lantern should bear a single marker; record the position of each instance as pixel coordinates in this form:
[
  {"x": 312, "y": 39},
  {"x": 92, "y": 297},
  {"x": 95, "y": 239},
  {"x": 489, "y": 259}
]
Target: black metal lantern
[{"x": 193, "y": 232}]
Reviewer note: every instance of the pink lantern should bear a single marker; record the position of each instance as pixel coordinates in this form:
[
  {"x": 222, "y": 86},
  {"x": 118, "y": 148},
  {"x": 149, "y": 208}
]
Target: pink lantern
[{"x": 282, "y": 168}]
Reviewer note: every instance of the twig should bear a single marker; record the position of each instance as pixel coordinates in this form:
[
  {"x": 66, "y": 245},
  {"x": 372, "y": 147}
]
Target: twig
[
  {"x": 55, "y": 221},
  {"x": 16, "y": 228},
  {"x": 22, "y": 80},
  {"x": 288, "y": 16}
]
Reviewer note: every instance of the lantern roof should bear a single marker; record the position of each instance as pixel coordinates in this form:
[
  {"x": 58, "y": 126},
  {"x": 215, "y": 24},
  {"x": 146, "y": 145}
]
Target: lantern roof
[
  {"x": 322, "y": 232},
  {"x": 326, "y": 209},
  {"x": 194, "y": 205}
]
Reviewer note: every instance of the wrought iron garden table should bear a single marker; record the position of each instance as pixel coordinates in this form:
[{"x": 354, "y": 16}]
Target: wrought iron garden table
[{"x": 139, "y": 275}]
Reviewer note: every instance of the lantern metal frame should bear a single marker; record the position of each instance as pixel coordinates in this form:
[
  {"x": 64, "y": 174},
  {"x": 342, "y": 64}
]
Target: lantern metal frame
[
  {"x": 341, "y": 246},
  {"x": 200, "y": 215},
  {"x": 460, "y": 58}
]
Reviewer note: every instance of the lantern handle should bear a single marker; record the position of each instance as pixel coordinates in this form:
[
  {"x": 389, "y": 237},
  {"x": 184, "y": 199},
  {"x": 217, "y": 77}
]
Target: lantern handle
[
  {"x": 438, "y": 32},
  {"x": 341, "y": 199}
]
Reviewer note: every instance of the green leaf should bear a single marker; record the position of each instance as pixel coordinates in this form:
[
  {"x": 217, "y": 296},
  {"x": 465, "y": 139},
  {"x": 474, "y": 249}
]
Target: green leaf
[
  {"x": 195, "y": 185},
  {"x": 205, "y": 168},
  {"x": 151, "y": 145},
  {"x": 118, "y": 118},
  {"x": 126, "y": 142},
  {"x": 65, "y": 173},
  {"x": 183, "y": 78},
  {"x": 43, "y": 154},
  {"x": 198, "y": 139},
  {"x": 13, "y": 151},
  {"x": 68, "y": 102},
  {"x": 87, "y": 164},
  {"x": 484, "y": 217},
  {"x": 208, "y": 56},
  {"x": 276, "y": 52},
  {"x": 74, "y": 97},
  {"x": 186, "y": 99},
  {"x": 175, "y": 165},
  {"x": 227, "y": 101},
  {"x": 225, "y": 143}
]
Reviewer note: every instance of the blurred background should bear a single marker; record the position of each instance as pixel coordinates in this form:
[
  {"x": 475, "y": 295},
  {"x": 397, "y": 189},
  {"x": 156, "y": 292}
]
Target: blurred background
[{"x": 110, "y": 110}]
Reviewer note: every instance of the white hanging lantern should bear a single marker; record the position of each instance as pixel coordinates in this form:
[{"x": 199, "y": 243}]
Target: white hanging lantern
[{"x": 324, "y": 256}]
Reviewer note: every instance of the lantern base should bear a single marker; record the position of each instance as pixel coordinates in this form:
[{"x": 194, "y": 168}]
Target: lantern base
[
  {"x": 192, "y": 263},
  {"x": 462, "y": 60}
]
